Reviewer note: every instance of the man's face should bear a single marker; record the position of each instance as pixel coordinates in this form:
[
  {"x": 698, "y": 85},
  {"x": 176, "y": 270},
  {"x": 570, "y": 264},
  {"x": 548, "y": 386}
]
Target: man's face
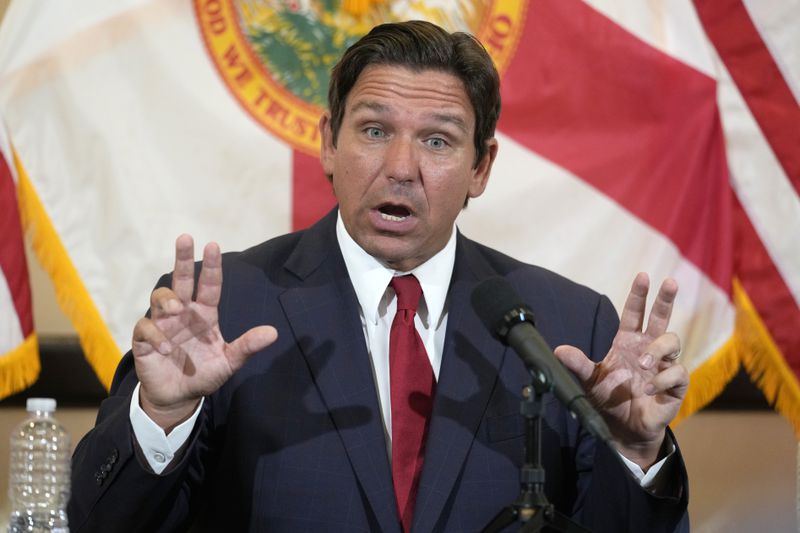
[{"x": 403, "y": 164}]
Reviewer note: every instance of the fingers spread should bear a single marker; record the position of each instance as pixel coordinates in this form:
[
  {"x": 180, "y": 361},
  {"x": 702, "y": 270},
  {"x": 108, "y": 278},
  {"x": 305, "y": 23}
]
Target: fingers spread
[
  {"x": 147, "y": 338},
  {"x": 575, "y": 360},
  {"x": 633, "y": 312},
  {"x": 674, "y": 380},
  {"x": 661, "y": 312},
  {"x": 209, "y": 285},
  {"x": 183, "y": 275},
  {"x": 249, "y": 343}
]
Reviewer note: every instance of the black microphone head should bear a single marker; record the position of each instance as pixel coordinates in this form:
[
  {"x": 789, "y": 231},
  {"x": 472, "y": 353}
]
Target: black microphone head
[{"x": 499, "y": 306}]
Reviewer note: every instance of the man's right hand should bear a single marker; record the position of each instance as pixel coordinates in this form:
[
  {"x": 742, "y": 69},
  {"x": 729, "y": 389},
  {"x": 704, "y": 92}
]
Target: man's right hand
[{"x": 179, "y": 351}]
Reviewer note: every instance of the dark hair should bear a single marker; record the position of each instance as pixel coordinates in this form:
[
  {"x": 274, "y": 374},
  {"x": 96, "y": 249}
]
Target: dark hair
[{"x": 420, "y": 45}]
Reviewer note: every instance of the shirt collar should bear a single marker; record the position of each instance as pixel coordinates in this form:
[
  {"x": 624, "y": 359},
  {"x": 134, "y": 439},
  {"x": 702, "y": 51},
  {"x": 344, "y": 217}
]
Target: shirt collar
[{"x": 370, "y": 277}]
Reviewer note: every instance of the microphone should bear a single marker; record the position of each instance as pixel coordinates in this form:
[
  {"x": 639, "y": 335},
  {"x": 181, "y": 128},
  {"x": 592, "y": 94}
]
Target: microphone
[{"x": 500, "y": 309}]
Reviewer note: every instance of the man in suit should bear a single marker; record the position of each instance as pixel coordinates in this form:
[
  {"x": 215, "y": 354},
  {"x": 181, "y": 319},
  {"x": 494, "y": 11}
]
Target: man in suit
[{"x": 333, "y": 419}]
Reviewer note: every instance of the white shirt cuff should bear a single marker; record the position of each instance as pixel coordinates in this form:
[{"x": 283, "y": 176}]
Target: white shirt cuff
[
  {"x": 158, "y": 447},
  {"x": 650, "y": 480}
]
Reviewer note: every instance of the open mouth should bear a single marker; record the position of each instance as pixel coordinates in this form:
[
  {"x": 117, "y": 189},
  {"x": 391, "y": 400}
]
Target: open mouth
[{"x": 394, "y": 213}]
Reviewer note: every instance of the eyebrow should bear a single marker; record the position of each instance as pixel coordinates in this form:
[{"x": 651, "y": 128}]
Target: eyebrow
[
  {"x": 449, "y": 118},
  {"x": 372, "y": 106}
]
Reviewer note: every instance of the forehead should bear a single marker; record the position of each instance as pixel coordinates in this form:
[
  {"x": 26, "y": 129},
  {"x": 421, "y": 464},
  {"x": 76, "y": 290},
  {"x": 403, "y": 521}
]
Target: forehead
[{"x": 391, "y": 87}]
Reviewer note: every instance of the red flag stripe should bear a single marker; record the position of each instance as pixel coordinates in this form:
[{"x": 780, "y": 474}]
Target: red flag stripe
[
  {"x": 637, "y": 124},
  {"x": 312, "y": 194},
  {"x": 12, "y": 251},
  {"x": 760, "y": 81},
  {"x": 767, "y": 290}
]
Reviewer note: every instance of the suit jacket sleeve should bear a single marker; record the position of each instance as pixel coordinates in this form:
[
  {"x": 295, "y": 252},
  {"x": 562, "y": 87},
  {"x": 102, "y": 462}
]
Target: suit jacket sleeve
[
  {"x": 112, "y": 488},
  {"x": 610, "y": 499}
]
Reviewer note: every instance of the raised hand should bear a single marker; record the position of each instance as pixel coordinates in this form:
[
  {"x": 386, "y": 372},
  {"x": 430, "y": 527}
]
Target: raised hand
[
  {"x": 639, "y": 386},
  {"x": 179, "y": 352}
]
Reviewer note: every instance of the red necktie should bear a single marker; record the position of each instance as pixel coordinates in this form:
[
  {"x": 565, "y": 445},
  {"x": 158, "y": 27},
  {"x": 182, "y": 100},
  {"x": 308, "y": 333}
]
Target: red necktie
[{"x": 412, "y": 388}]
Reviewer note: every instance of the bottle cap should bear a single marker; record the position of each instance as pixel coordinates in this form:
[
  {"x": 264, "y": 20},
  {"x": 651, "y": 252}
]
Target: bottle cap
[{"x": 40, "y": 404}]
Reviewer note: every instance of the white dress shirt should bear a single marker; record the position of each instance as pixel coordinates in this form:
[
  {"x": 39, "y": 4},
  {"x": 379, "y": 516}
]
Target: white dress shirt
[{"x": 377, "y": 307}]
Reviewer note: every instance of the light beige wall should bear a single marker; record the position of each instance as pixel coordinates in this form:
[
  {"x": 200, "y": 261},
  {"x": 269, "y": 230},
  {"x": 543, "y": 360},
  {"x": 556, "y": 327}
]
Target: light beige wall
[{"x": 742, "y": 472}]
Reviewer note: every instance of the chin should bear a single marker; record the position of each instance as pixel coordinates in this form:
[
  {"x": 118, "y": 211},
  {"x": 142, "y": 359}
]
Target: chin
[{"x": 393, "y": 258}]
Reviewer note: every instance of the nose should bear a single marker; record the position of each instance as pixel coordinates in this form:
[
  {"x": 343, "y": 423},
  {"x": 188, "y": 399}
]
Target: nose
[{"x": 402, "y": 160}]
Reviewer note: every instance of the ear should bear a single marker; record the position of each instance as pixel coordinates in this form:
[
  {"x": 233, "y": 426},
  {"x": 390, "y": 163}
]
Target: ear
[
  {"x": 327, "y": 151},
  {"x": 480, "y": 174}
]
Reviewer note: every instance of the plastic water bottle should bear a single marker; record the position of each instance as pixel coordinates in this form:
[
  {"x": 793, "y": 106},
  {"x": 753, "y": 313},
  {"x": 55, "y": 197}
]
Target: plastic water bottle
[{"x": 39, "y": 472}]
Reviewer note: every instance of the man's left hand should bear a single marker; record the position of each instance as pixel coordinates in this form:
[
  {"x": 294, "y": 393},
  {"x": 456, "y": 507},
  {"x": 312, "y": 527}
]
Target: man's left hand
[{"x": 639, "y": 386}]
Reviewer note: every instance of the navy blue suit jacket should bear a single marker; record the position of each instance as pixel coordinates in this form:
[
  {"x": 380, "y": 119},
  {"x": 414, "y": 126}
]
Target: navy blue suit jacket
[{"x": 295, "y": 440}]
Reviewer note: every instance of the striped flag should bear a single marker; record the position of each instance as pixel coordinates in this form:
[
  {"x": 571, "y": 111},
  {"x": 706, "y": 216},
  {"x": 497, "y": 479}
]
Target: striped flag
[
  {"x": 661, "y": 139},
  {"x": 634, "y": 136},
  {"x": 19, "y": 355}
]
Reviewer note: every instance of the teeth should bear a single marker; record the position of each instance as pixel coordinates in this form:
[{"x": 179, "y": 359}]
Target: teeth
[{"x": 392, "y": 218}]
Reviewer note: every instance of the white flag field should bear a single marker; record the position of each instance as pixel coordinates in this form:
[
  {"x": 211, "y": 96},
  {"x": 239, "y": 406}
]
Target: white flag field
[{"x": 635, "y": 136}]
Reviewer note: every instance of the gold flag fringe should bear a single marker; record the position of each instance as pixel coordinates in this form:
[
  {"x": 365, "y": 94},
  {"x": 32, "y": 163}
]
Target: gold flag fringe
[
  {"x": 752, "y": 346},
  {"x": 709, "y": 379},
  {"x": 98, "y": 346},
  {"x": 19, "y": 368},
  {"x": 764, "y": 361}
]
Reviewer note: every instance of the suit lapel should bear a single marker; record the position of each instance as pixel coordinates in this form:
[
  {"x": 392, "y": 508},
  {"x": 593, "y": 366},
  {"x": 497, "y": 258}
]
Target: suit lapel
[
  {"x": 323, "y": 314},
  {"x": 470, "y": 365}
]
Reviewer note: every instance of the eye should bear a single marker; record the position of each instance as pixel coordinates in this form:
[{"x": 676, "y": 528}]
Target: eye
[
  {"x": 437, "y": 143},
  {"x": 374, "y": 133}
]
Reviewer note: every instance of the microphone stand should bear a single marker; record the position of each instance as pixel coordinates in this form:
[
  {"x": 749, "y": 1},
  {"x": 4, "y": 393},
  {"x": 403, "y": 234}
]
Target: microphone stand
[{"x": 531, "y": 507}]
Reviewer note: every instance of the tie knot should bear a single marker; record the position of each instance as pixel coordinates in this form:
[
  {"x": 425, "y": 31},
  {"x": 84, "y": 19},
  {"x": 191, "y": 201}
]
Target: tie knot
[{"x": 408, "y": 292}]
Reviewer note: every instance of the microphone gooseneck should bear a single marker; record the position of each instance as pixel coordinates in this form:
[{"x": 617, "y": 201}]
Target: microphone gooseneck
[{"x": 509, "y": 319}]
